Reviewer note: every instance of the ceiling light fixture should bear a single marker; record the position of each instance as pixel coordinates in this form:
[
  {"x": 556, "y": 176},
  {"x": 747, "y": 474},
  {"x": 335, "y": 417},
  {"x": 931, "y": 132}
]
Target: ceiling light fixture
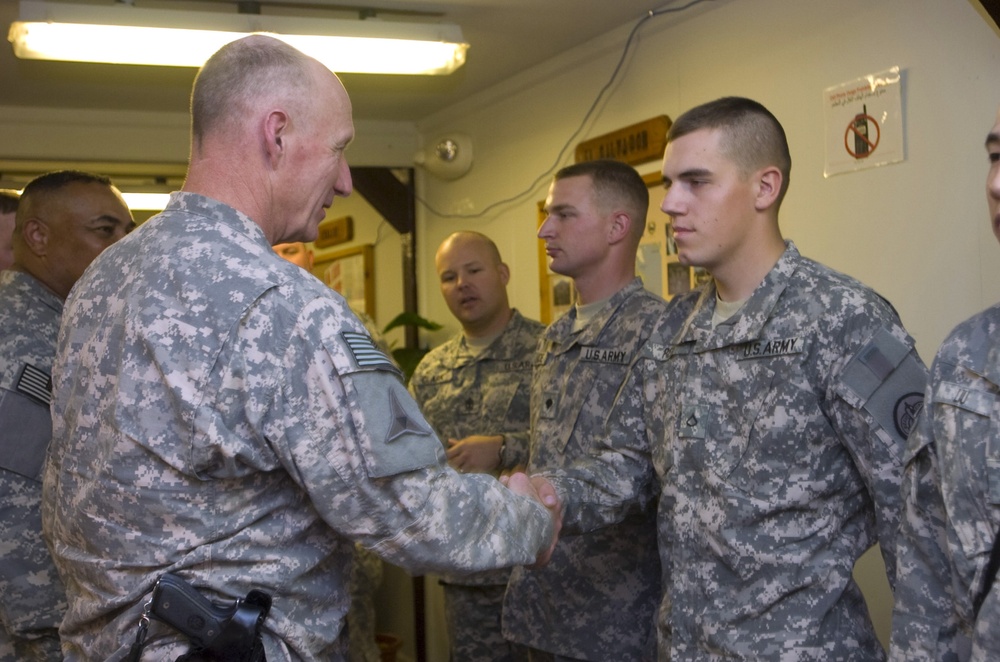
[
  {"x": 124, "y": 34},
  {"x": 146, "y": 201}
]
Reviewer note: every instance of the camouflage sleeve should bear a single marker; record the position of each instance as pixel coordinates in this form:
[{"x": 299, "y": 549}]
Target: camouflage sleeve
[
  {"x": 355, "y": 440},
  {"x": 879, "y": 393},
  {"x": 924, "y": 622},
  {"x": 958, "y": 433},
  {"x": 515, "y": 452},
  {"x": 602, "y": 487},
  {"x": 31, "y": 595}
]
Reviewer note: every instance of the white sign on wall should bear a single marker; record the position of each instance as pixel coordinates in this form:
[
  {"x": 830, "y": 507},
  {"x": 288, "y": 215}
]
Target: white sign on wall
[{"x": 864, "y": 123}]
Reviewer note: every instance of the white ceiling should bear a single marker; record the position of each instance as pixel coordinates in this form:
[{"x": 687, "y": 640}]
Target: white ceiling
[{"x": 506, "y": 37}]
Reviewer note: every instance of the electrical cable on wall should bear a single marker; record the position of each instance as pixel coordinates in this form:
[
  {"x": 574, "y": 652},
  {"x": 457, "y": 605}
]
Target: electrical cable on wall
[{"x": 590, "y": 111}]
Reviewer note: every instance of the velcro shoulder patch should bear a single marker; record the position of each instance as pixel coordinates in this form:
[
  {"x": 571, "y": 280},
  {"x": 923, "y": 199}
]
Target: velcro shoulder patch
[
  {"x": 35, "y": 383},
  {"x": 887, "y": 381},
  {"x": 398, "y": 437},
  {"x": 365, "y": 352},
  {"x": 27, "y": 430}
]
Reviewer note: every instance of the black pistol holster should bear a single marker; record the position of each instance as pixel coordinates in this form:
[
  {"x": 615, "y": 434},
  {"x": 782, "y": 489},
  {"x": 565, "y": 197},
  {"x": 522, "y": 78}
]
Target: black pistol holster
[{"x": 227, "y": 632}]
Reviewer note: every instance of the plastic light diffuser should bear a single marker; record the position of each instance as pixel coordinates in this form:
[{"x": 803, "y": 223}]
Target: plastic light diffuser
[{"x": 129, "y": 35}]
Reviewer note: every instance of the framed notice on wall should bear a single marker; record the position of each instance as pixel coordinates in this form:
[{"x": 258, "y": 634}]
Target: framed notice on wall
[{"x": 350, "y": 272}]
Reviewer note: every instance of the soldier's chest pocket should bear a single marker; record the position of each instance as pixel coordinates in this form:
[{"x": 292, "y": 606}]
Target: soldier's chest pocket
[
  {"x": 971, "y": 414},
  {"x": 444, "y": 391},
  {"x": 747, "y": 432},
  {"x": 498, "y": 401},
  {"x": 657, "y": 411},
  {"x": 584, "y": 403}
]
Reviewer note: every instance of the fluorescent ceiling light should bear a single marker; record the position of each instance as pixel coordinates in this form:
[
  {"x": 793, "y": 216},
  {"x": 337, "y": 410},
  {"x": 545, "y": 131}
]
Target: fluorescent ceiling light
[
  {"x": 146, "y": 201},
  {"x": 128, "y": 35},
  {"x": 142, "y": 201}
]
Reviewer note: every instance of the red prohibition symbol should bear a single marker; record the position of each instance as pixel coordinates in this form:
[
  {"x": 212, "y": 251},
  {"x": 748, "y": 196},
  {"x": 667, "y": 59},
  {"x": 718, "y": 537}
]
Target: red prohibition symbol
[{"x": 864, "y": 143}]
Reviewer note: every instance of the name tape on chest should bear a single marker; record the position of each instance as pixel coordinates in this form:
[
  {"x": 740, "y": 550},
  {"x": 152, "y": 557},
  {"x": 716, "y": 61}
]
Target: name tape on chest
[
  {"x": 605, "y": 355},
  {"x": 514, "y": 366},
  {"x": 763, "y": 349}
]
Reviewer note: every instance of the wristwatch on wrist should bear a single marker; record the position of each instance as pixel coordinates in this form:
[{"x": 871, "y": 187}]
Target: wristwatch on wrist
[{"x": 503, "y": 448}]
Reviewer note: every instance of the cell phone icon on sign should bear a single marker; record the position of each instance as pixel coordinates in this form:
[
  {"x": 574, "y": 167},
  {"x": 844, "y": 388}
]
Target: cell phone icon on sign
[{"x": 861, "y": 144}]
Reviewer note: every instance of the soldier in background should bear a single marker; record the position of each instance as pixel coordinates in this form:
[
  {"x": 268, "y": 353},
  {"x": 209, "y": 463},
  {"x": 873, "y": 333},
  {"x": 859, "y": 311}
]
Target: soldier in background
[
  {"x": 65, "y": 219},
  {"x": 947, "y": 597},
  {"x": 596, "y": 599},
  {"x": 474, "y": 390},
  {"x": 8, "y": 209},
  {"x": 296, "y": 252}
]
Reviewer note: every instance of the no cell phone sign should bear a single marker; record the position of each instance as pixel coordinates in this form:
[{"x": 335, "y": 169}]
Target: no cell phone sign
[{"x": 862, "y": 135}]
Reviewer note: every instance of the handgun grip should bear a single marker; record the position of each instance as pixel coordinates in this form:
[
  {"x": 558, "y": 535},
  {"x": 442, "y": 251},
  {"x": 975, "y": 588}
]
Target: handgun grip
[{"x": 181, "y": 606}]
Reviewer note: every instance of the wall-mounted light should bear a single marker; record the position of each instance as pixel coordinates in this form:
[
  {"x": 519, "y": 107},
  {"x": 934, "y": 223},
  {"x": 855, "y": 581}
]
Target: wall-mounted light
[
  {"x": 447, "y": 157},
  {"x": 124, "y": 34}
]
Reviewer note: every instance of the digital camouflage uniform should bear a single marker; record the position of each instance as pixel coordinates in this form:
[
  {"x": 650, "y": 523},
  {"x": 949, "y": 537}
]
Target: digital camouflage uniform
[
  {"x": 366, "y": 576},
  {"x": 951, "y": 488},
  {"x": 777, "y": 442},
  {"x": 596, "y": 599},
  {"x": 31, "y": 595},
  {"x": 366, "y": 569},
  {"x": 462, "y": 394},
  {"x": 222, "y": 414}
]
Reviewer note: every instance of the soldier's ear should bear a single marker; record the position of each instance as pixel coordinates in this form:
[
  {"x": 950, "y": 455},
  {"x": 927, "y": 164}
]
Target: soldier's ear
[
  {"x": 274, "y": 130},
  {"x": 620, "y": 226},
  {"x": 504, "y": 273},
  {"x": 768, "y": 187},
  {"x": 35, "y": 235}
]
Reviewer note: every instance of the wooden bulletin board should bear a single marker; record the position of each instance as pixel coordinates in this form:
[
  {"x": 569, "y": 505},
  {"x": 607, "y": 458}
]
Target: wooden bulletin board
[{"x": 350, "y": 272}]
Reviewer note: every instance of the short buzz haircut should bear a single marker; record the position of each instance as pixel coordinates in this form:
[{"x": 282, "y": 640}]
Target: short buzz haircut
[
  {"x": 49, "y": 183},
  {"x": 9, "y": 200},
  {"x": 240, "y": 74},
  {"x": 491, "y": 246},
  {"x": 752, "y": 137},
  {"x": 615, "y": 183}
]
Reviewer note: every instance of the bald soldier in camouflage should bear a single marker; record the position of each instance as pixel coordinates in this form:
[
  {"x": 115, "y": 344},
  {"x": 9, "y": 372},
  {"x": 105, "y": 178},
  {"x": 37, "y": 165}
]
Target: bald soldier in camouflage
[
  {"x": 774, "y": 419},
  {"x": 597, "y": 597},
  {"x": 475, "y": 391},
  {"x": 66, "y": 218},
  {"x": 222, "y": 415},
  {"x": 946, "y": 608}
]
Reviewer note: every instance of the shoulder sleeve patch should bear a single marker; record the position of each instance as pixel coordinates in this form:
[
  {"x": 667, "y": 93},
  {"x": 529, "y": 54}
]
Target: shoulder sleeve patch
[
  {"x": 871, "y": 366},
  {"x": 888, "y": 381},
  {"x": 27, "y": 430},
  {"x": 397, "y": 438},
  {"x": 36, "y": 384},
  {"x": 365, "y": 352}
]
